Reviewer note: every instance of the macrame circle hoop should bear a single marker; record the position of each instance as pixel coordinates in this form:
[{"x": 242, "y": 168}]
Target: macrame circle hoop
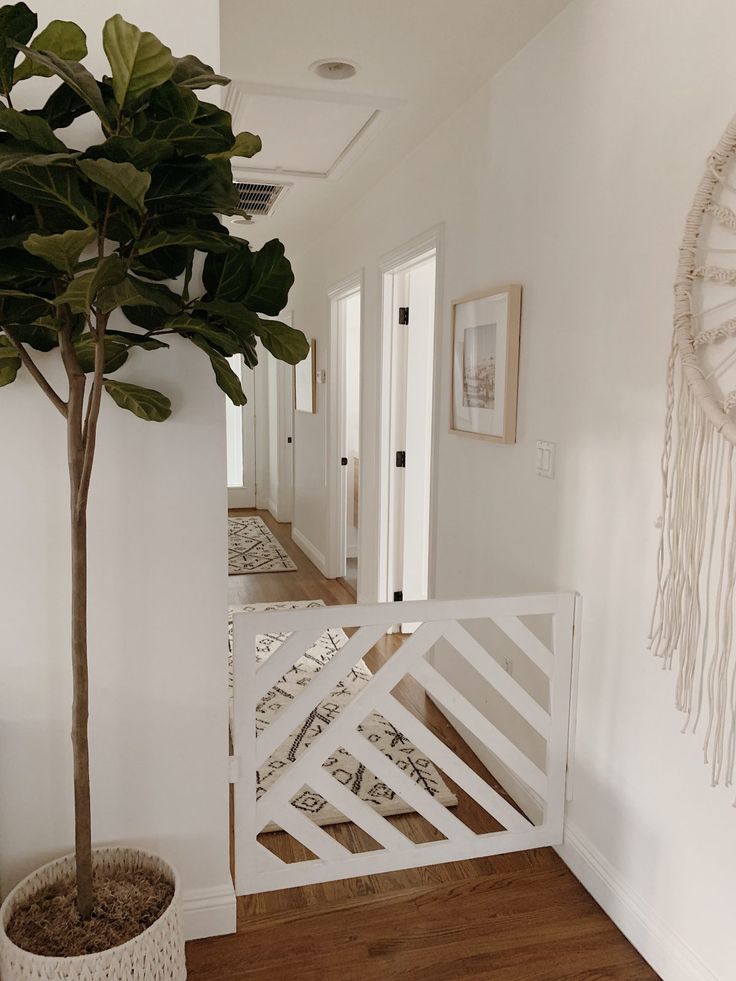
[{"x": 693, "y": 617}]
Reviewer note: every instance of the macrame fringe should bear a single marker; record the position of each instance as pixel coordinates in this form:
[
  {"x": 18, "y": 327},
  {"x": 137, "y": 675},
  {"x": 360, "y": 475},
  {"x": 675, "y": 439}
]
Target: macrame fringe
[{"x": 693, "y": 618}]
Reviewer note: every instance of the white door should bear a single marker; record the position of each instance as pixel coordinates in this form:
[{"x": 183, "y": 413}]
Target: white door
[
  {"x": 411, "y": 334},
  {"x": 241, "y": 441}
]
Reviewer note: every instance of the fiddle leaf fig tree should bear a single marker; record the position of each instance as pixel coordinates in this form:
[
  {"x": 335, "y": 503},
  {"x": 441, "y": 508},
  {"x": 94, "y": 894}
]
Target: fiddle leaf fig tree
[{"x": 98, "y": 252}]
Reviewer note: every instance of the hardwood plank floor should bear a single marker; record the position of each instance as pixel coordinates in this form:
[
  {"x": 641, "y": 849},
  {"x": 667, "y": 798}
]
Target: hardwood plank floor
[{"x": 519, "y": 917}]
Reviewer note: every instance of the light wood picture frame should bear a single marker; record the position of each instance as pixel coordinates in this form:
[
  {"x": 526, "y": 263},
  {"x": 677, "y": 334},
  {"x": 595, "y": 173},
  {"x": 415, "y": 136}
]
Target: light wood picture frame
[
  {"x": 485, "y": 364},
  {"x": 305, "y": 381}
]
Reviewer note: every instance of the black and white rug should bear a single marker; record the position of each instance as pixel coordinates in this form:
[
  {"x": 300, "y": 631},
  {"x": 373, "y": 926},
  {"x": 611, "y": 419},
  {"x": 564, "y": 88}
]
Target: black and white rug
[
  {"x": 253, "y": 548},
  {"x": 346, "y": 768}
]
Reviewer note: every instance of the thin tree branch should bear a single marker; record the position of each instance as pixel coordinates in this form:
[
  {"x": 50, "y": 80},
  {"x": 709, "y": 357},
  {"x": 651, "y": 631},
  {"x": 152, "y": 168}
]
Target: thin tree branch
[
  {"x": 89, "y": 436},
  {"x": 37, "y": 375}
]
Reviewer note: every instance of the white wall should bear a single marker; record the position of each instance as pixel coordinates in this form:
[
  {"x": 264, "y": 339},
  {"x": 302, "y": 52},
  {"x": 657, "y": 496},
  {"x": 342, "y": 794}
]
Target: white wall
[
  {"x": 571, "y": 173},
  {"x": 157, "y": 598}
]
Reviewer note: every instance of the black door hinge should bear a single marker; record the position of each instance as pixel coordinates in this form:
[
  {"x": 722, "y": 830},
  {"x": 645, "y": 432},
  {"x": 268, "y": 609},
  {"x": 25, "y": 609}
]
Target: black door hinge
[
  {"x": 403, "y": 315},
  {"x": 401, "y": 458},
  {"x": 343, "y": 461},
  {"x": 288, "y": 439},
  {"x": 399, "y": 596}
]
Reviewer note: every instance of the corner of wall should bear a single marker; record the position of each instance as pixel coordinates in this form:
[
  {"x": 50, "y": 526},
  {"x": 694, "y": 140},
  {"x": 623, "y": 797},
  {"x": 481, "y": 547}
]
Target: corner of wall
[
  {"x": 209, "y": 912},
  {"x": 310, "y": 550},
  {"x": 640, "y": 923}
]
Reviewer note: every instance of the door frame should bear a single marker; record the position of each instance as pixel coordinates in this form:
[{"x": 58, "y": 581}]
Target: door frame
[
  {"x": 390, "y": 265},
  {"x": 336, "y": 485}
]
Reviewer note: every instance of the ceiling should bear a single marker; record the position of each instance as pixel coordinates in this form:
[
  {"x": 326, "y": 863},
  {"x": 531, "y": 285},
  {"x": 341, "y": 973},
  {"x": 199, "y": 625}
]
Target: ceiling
[{"x": 329, "y": 141}]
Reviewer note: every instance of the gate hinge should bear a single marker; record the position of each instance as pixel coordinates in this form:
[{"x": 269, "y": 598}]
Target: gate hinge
[
  {"x": 399, "y": 596},
  {"x": 233, "y": 767},
  {"x": 401, "y": 458},
  {"x": 403, "y": 315}
]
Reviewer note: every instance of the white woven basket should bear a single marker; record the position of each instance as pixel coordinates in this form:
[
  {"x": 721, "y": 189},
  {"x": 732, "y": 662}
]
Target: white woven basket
[{"x": 157, "y": 954}]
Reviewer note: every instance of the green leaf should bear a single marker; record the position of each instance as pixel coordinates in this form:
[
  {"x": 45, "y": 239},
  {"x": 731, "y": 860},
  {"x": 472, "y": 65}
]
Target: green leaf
[
  {"x": 41, "y": 336},
  {"x": 245, "y": 145},
  {"x": 127, "y": 149},
  {"x": 189, "y": 138},
  {"x": 191, "y": 73},
  {"x": 17, "y": 24},
  {"x": 193, "y": 187},
  {"x": 116, "y": 353},
  {"x": 139, "y": 61},
  {"x": 271, "y": 280},
  {"x": 138, "y": 340},
  {"x": 131, "y": 292},
  {"x": 145, "y": 403},
  {"x": 31, "y": 129},
  {"x": 191, "y": 238},
  {"x": 284, "y": 343},
  {"x": 16, "y": 153},
  {"x": 9, "y": 365},
  {"x": 228, "y": 276},
  {"x": 122, "y": 179},
  {"x": 62, "y": 37},
  {"x": 54, "y": 186},
  {"x": 62, "y": 107},
  {"x": 225, "y": 377},
  {"x": 224, "y": 342},
  {"x": 80, "y": 294},
  {"x": 171, "y": 101},
  {"x": 235, "y": 315},
  {"x": 62, "y": 251},
  {"x": 76, "y": 77}
]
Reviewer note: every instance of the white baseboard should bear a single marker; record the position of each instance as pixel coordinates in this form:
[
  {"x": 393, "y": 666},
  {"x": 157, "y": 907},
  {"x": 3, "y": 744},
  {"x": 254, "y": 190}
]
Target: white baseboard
[
  {"x": 273, "y": 509},
  {"x": 658, "y": 944},
  {"x": 310, "y": 550},
  {"x": 209, "y": 912},
  {"x": 655, "y": 940}
]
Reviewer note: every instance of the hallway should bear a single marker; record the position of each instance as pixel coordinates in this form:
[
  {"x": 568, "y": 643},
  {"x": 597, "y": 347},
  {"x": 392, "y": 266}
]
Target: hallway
[{"x": 429, "y": 923}]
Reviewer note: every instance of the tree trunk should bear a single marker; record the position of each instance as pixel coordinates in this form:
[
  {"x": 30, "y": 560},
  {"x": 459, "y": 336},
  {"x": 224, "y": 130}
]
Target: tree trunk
[{"x": 80, "y": 706}]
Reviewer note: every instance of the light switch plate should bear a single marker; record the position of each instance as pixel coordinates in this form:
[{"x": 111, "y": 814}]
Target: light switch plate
[{"x": 544, "y": 465}]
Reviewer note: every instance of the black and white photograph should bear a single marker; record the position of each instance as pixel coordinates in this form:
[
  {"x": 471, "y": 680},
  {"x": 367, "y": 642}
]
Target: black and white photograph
[{"x": 479, "y": 367}]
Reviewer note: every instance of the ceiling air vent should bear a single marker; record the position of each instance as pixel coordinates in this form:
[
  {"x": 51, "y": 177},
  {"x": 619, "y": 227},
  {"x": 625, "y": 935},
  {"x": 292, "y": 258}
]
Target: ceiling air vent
[{"x": 258, "y": 198}]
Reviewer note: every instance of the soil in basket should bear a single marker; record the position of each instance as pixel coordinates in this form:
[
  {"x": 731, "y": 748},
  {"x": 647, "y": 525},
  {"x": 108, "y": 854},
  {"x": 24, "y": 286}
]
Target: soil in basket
[{"x": 126, "y": 904}]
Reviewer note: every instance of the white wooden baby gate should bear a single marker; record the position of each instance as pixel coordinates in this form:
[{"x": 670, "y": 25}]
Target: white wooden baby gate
[{"x": 258, "y": 870}]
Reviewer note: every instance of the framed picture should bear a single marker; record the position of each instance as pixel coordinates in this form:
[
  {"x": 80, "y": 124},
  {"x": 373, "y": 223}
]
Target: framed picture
[
  {"x": 304, "y": 381},
  {"x": 485, "y": 364}
]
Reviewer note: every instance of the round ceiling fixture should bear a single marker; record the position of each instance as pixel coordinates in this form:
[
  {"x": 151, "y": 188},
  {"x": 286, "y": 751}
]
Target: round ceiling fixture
[{"x": 336, "y": 69}]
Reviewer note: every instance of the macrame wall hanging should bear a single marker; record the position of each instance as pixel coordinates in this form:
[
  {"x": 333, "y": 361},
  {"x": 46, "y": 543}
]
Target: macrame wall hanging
[{"x": 693, "y": 619}]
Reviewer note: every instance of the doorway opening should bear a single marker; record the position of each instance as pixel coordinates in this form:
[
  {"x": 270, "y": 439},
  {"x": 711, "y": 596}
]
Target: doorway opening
[
  {"x": 346, "y": 319},
  {"x": 240, "y": 422},
  {"x": 408, "y": 420}
]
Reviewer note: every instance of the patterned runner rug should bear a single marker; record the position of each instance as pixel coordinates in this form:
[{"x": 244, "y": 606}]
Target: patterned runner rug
[
  {"x": 253, "y": 548},
  {"x": 349, "y": 771}
]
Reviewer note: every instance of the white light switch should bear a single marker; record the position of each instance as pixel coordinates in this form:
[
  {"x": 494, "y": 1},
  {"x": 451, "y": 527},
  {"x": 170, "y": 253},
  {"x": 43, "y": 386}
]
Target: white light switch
[{"x": 545, "y": 460}]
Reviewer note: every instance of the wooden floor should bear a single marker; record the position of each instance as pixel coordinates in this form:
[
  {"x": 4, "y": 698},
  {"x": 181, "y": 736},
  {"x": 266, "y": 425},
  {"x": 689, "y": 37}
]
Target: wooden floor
[{"x": 509, "y": 917}]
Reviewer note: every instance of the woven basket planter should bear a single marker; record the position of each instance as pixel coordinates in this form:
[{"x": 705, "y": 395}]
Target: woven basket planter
[{"x": 157, "y": 954}]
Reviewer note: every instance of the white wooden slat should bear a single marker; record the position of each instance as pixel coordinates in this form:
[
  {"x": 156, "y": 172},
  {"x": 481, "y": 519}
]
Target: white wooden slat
[
  {"x": 486, "y": 666},
  {"x": 299, "y": 826},
  {"x": 293, "y": 778},
  {"x": 413, "y": 611},
  {"x": 244, "y": 747},
  {"x": 452, "y": 765},
  {"x": 427, "y": 854},
  {"x": 505, "y": 750},
  {"x": 359, "y": 812},
  {"x": 409, "y": 791},
  {"x": 323, "y": 682},
  {"x": 524, "y": 639},
  {"x": 283, "y": 658}
]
